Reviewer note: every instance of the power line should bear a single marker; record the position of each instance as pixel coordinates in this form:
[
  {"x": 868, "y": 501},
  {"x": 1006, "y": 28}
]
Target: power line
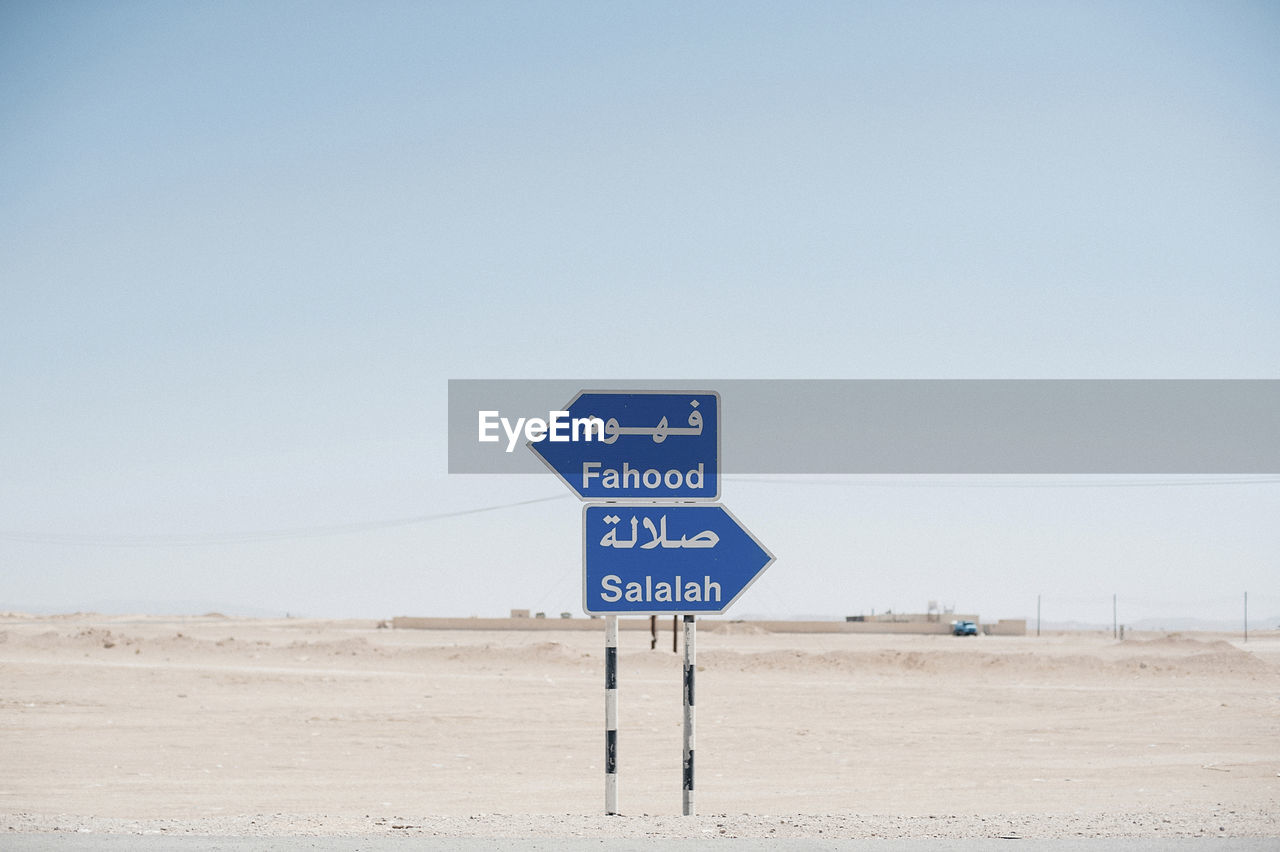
[
  {"x": 251, "y": 536},
  {"x": 1014, "y": 481},
  {"x": 910, "y": 481}
]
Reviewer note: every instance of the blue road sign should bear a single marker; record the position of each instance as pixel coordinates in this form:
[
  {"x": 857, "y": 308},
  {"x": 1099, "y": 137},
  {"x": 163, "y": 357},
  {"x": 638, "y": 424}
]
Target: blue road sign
[
  {"x": 654, "y": 558},
  {"x": 646, "y": 445}
]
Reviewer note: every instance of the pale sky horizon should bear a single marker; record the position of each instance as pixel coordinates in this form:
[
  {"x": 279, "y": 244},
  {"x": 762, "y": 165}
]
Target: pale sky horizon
[{"x": 247, "y": 245}]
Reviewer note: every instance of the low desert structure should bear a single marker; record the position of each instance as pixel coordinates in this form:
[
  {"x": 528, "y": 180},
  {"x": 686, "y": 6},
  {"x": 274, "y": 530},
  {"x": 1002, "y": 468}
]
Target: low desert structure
[{"x": 897, "y": 623}]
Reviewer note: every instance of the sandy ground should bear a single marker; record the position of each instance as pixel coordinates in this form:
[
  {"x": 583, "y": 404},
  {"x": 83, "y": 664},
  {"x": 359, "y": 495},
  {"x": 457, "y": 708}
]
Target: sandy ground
[{"x": 225, "y": 726}]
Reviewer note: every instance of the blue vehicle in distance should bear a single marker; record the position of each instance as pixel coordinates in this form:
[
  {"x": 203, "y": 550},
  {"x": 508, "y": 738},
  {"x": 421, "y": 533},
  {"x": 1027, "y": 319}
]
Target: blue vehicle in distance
[{"x": 964, "y": 628}]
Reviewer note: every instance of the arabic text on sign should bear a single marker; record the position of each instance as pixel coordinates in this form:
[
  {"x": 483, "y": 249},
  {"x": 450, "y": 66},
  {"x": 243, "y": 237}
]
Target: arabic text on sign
[
  {"x": 706, "y": 538},
  {"x": 659, "y": 433}
]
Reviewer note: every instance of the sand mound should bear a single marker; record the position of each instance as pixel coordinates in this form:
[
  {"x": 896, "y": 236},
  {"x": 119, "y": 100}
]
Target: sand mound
[
  {"x": 352, "y": 647},
  {"x": 849, "y": 662},
  {"x": 489, "y": 657},
  {"x": 90, "y": 637},
  {"x": 545, "y": 651},
  {"x": 735, "y": 628},
  {"x": 1208, "y": 659},
  {"x": 1186, "y": 655},
  {"x": 1229, "y": 660},
  {"x": 1178, "y": 642}
]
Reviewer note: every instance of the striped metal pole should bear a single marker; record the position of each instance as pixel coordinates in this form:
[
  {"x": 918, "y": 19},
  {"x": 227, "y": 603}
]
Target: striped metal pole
[
  {"x": 611, "y": 714},
  {"x": 690, "y": 635}
]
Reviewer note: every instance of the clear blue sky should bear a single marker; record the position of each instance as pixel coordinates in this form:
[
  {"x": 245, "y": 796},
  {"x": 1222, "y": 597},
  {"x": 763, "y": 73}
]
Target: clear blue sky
[{"x": 245, "y": 245}]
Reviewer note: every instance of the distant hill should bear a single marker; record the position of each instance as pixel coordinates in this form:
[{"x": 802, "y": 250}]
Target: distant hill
[
  {"x": 1170, "y": 624},
  {"x": 1188, "y": 623}
]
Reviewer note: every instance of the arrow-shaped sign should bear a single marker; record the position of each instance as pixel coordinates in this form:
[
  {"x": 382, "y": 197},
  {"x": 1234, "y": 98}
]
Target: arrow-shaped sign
[
  {"x": 647, "y": 445},
  {"x": 655, "y": 558}
]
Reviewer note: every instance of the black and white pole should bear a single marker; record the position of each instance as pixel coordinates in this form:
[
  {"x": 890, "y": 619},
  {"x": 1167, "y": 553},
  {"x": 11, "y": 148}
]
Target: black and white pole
[
  {"x": 690, "y": 635},
  {"x": 611, "y": 714}
]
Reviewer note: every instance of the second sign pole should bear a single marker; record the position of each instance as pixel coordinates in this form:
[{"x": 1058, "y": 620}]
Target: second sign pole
[
  {"x": 611, "y": 714},
  {"x": 690, "y": 667}
]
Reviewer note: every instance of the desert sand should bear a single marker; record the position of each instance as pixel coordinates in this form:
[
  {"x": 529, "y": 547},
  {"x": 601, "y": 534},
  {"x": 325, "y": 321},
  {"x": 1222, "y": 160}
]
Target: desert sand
[{"x": 213, "y": 725}]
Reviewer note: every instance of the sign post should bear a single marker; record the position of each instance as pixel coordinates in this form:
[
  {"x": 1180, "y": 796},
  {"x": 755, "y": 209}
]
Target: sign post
[
  {"x": 611, "y": 715},
  {"x": 652, "y": 543},
  {"x": 690, "y": 667}
]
